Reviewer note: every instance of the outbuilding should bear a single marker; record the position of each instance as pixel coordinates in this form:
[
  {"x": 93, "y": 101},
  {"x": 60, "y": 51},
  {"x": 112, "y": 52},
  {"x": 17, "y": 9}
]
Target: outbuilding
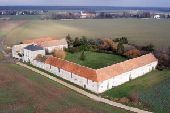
[{"x": 31, "y": 52}]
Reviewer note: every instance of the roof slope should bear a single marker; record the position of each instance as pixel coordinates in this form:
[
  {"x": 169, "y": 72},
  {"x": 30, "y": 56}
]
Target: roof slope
[
  {"x": 119, "y": 68},
  {"x": 72, "y": 67},
  {"x": 53, "y": 43},
  {"x": 46, "y": 42},
  {"x": 33, "y": 47},
  {"x": 38, "y": 40},
  {"x": 102, "y": 74}
]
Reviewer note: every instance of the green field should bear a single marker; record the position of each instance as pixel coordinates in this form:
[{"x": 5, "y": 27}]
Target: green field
[
  {"x": 152, "y": 90},
  {"x": 22, "y": 17},
  {"x": 95, "y": 60},
  {"x": 140, "y": 31},
  {"x": 24, "y": 91}
]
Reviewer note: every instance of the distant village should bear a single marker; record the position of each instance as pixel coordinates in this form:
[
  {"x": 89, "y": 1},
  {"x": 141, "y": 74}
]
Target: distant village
[{"x": 45, "y": 14}]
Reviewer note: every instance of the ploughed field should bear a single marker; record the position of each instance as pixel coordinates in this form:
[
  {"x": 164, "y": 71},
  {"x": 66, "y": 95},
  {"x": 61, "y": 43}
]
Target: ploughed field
[
  {"x": 149, "y": 92},
  {"x": 95, "y": 60},
  {"x": 24, "y": 91},
  {"x": 138, "y": 31}
]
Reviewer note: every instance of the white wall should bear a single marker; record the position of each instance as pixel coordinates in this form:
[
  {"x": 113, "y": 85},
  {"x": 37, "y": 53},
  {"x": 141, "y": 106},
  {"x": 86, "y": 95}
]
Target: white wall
[
  {"x": 92, "y": 85},
  {"x": 18, "y": 49},
  {"x": 76, "y": 79},
  {"x": 125, "y": 77},
  {"x": 51, "y": 49},
  {"x": 29, "y": 56}
]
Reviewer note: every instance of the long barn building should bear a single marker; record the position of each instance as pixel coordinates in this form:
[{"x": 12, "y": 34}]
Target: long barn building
[{"x": 99, "y": 80}]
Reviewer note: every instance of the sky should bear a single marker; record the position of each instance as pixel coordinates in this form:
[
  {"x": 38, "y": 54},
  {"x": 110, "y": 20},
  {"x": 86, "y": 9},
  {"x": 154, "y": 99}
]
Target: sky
[{"x": 142, "y": 3}]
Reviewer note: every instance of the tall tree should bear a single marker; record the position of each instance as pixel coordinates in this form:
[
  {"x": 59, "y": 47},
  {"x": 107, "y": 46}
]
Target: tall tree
[
  {"x": 76, "y": 42},
  {"x": 82, "y": 56},
  {"x": 69, "y": 40},
  {"x": 122, "y": 40},
  {"x": 83, "y": 40},
  {"x": 120, "y": 49},
  {"x": 149, "y": 48}
]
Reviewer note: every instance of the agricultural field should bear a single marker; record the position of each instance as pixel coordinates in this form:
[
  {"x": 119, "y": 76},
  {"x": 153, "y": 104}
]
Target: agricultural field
[
  {"x": 151, "y": 91},
  {"x": 24, "y": 91},
  {"x": 95, "y": 60},
  {"x": 138, "y": 31},
  {"x": 22, "y": 17}
]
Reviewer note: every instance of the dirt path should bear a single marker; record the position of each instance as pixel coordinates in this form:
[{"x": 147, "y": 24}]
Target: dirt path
[
  {"x": 83, "y": 92},
  {"x": 7, "y": 56}
]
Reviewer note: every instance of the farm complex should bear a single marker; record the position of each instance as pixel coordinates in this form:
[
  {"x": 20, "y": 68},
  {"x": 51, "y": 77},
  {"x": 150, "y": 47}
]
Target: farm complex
[{"x": 95, "y": 80}]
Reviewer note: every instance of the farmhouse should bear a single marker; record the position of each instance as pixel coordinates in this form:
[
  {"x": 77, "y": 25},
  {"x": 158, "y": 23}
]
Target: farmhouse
[
  {"x": 49, "y": 46},
  {"x": 157, "y": 16},
  {"x": 18, "y": 51},
  {"x": 31, "y": 52},
  {"x": 95, "y": 80},
  {"x": 99, "y": 80},
  {"x": 48, "y": 43}
]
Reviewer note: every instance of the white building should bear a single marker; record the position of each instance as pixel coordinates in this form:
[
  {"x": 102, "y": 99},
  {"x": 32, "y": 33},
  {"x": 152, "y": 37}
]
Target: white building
[
  {"x": 50, "y": 46},
  {"x": 31, "y": 52},
  {"x": 18, "y": 51},
  {"x": 157, "y": 17},
  {"x": 48, "y": 43},
  {"x": 85, "y": 15},
  {"x": 103, "y": 79}
]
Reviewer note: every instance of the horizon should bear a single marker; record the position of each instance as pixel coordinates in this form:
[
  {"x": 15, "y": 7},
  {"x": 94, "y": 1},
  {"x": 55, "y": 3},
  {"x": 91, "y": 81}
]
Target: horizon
[
  {"x": 80, "y": 6},
  {"x": 112, "y": 3}
]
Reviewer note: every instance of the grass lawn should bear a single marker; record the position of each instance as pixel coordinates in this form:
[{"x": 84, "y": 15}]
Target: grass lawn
[
  {"x": 22, "y": 17},
  {"x": 24, "y": 91},
  {"x": 95, "y": 60},
  {"x": 153, "y": 90}
]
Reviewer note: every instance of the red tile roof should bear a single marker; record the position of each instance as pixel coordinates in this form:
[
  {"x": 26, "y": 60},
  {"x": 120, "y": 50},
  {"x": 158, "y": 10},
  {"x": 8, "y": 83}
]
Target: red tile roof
[
  {"x": 103, "y": 73},
  {"x": 119, "y": 68},
  {"x": 38, "y": 40},
  {"x": 72, "y": 67},
  {"x": 46, "y": 42},
  {"x": 53, "y": 43}
]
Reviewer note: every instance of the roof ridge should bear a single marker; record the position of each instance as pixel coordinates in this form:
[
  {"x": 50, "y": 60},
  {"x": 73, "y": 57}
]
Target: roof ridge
[
  {"x": 99, "y": 74},
  {"x": 124, "y": 61}
]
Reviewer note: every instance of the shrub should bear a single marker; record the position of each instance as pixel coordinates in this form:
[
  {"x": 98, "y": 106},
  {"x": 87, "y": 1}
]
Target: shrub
[
  {"x": 40, "y": 58},
  {"x": 149, "y": 48},
  {"x": 83, "y": 40},
  {"x": 132, "y": 53},
  {"x": 135, "y": 98},
  {"x": 69, "y": 40},
  {"x": 120, "y": 49},
  {"x": 76, "y": 42},
  {"x": 122, "y": 40},
  {"x": 108, "y": 44},
  {"x": 59, "y": 54},
  {"x": 82, "y": 56}
]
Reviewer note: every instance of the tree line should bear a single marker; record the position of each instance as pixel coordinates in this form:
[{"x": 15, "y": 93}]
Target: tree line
[{"x": 120, "y": 46}]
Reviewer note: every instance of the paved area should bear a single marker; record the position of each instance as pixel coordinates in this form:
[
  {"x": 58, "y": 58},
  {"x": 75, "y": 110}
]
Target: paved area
[{"x": 83, "y": 92}]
